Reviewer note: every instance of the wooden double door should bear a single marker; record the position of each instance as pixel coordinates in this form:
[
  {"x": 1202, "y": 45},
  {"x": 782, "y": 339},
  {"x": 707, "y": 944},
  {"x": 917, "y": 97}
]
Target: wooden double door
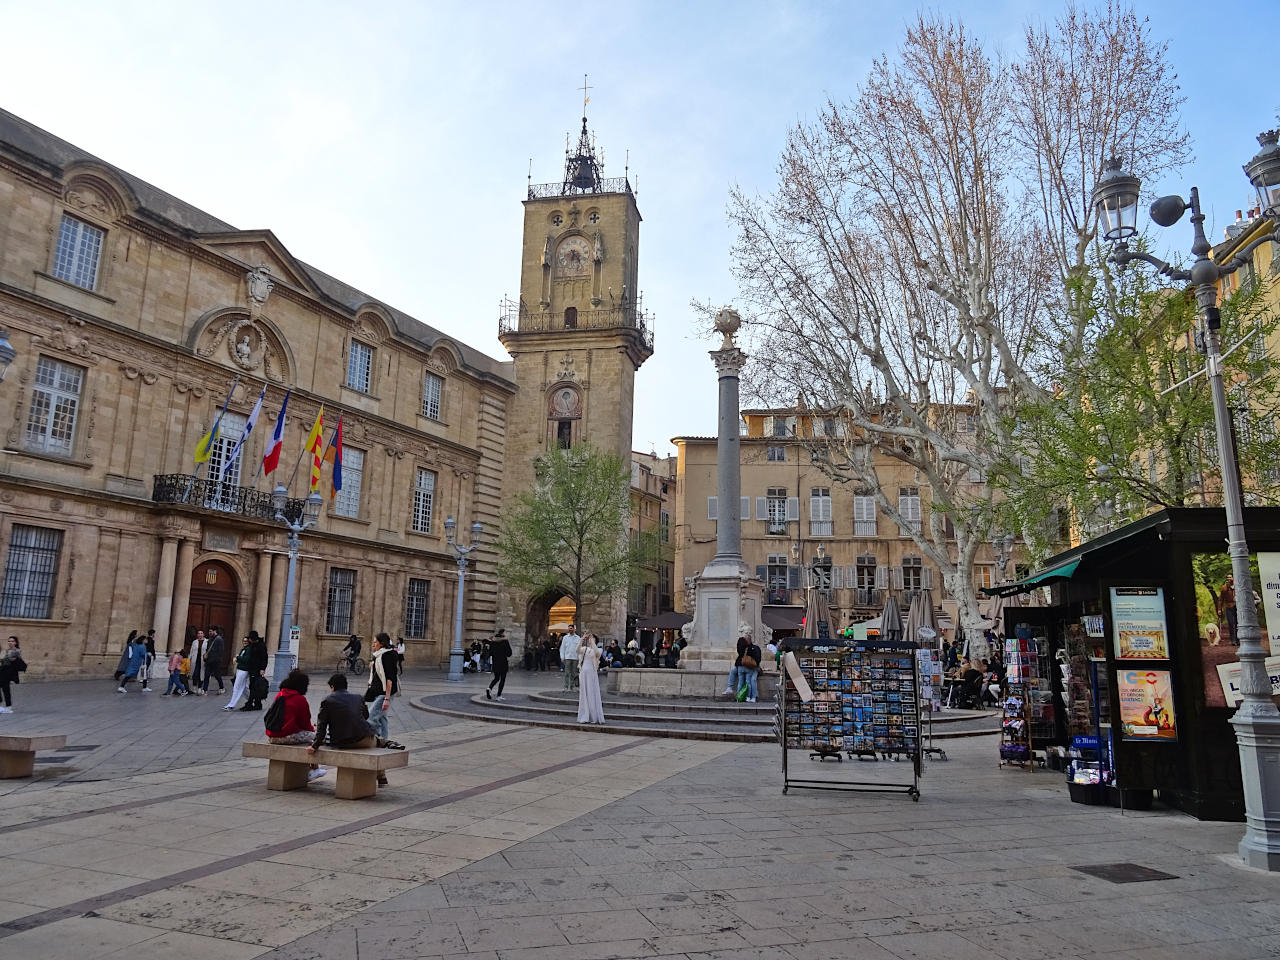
[{"x": 215, "y": 594}]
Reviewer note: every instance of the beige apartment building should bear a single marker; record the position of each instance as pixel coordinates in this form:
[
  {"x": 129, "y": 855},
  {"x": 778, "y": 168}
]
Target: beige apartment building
[
  {"x": 133, "y": 314},
  {"x": 800, "y": 528}
]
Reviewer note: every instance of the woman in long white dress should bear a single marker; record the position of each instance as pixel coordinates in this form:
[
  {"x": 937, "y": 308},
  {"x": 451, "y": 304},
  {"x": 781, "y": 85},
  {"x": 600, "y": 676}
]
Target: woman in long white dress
[{"x": 590, "y": 709}]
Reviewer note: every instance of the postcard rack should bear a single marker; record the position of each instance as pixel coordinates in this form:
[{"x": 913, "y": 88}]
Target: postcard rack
[{"x": 863, "y": 701}]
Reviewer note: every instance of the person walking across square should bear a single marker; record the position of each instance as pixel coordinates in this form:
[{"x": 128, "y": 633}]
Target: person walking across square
[
  {"x": 382, "y": 677},
  {"x": 499, "y": 653}
]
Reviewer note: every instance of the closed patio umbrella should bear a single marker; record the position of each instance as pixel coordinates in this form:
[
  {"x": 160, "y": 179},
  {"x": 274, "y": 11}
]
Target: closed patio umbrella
[
  {"x": 891, "y": 619},
  {"x": 920, "y": 615},
  {"x": 817, "y": 615}
]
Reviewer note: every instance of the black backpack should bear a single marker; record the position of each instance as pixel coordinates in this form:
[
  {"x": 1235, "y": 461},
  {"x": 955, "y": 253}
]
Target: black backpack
[{"x": 273, "y": 719}]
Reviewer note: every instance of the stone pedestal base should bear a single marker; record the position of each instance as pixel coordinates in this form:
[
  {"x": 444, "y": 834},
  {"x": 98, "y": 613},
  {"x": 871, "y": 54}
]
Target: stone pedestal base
[
  {"x": 728, "y": 601},
  {"x": 1258, "y": 734}
]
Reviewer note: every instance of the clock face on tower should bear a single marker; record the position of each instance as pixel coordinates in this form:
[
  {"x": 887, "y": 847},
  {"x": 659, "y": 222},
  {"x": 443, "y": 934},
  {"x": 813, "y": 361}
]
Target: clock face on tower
[{"x": 573, "y": 259}]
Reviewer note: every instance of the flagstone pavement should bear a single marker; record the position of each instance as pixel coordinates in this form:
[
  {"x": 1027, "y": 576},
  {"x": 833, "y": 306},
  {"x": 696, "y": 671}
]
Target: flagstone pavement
[{"x": 151, "y": 837}]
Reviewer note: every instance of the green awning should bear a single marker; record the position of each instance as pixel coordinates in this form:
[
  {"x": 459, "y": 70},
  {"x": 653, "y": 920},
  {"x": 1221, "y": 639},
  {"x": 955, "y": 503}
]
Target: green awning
[{"x": 1062, "y": 571}]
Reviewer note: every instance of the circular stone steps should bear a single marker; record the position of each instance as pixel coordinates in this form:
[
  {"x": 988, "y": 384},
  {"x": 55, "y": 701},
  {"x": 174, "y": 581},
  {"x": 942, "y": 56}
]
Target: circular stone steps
[{"x": 680, "y": 718}]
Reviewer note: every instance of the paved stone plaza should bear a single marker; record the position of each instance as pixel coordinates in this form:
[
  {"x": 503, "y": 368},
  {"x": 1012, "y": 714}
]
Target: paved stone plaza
[{"x": 149, "y": 836}]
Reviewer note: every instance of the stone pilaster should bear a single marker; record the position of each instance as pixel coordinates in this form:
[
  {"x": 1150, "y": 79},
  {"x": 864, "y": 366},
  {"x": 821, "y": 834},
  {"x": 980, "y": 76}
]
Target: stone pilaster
[
  {"x": 181, "y": 594},
  {"x": 164, "y": 587},
  {"x": 261, "y": 596}
]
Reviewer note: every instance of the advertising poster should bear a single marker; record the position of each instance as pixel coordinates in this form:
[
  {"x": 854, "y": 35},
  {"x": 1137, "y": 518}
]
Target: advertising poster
[
  {"x": 1137, "y": 617},
  {"x": 1216, "y": 615},
  {"x": 1146, "y": 704},
  {"x": 1229, "y": 676}
]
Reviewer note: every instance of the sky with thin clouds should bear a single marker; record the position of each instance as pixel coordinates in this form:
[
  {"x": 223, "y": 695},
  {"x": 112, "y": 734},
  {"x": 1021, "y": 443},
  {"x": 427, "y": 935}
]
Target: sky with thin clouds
[{"x": 389, "y": 144}]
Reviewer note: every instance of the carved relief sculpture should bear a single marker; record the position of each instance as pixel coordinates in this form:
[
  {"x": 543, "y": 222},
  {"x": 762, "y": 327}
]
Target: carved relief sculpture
[{"x": 260, "y": 286}]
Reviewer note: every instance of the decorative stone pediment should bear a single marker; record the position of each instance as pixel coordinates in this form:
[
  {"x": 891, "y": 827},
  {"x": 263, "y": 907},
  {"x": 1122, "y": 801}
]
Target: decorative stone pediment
[
  {"x": 245, "y": 343},
  {"x": 255, "y": 248},
  {"x": 96, "y": 194},
  {"x": 64, "y": 339}
]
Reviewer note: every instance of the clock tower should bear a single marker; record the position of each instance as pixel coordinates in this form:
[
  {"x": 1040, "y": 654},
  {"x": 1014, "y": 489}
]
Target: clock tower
[{"x": 577, "y": 334}]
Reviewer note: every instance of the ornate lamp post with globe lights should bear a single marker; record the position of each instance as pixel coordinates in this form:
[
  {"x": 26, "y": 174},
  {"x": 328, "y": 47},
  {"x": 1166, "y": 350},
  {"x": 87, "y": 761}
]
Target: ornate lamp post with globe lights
[
  {"x": 1256, "y": 721},
  {"x": 286, "y": 656},
  {"x": 456, "y": 655}
]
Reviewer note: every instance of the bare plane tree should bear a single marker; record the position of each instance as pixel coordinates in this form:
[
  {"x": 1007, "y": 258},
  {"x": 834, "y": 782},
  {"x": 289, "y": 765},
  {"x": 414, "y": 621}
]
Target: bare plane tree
[{"x": 893, "y": 280}]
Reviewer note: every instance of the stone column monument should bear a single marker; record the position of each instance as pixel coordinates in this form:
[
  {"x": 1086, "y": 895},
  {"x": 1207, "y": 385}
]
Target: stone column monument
[{"x": 727, "y": 597}]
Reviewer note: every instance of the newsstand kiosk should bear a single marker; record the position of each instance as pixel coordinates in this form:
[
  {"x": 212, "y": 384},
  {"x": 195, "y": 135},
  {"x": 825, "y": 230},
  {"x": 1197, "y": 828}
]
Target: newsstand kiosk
[{"x": 1141, "y": 637}]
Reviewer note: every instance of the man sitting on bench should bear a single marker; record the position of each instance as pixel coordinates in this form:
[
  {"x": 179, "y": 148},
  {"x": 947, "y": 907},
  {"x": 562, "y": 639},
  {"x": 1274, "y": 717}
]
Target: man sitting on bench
[{"x": 344, "y": 718}]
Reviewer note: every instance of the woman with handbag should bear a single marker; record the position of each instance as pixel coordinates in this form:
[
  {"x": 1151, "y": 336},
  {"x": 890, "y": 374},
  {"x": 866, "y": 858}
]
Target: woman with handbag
[{"x": 749, "y": 669}]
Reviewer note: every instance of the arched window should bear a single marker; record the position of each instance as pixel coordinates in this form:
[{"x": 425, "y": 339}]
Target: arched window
[{"x": 571, "y": 318}]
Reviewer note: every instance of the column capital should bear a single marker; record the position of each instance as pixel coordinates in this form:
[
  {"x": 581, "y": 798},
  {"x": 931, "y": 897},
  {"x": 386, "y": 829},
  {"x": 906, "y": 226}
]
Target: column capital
[{"x": 729, "y": 362}]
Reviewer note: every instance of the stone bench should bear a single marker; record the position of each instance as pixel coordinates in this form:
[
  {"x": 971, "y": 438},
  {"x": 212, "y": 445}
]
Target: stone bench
[
  {"x": 18, "y": 754},
  {"x": 357, "y": 769}
]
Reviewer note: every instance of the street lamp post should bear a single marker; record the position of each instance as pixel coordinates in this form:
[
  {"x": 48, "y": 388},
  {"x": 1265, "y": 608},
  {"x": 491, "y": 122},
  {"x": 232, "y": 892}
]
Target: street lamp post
[
  {"x": 286, "y": 656},
  {"x": 456, "y": 655},
  {"x": 7, "y": 353},
  {"x": 1256, "y": 721}
]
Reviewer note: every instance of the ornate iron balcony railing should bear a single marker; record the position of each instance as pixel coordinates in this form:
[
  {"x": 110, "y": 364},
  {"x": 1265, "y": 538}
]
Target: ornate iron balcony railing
[
  {"x": 539, "y": 191},
  {"x": 206, "y": 494},
  {"x": 515, "y": 316}
]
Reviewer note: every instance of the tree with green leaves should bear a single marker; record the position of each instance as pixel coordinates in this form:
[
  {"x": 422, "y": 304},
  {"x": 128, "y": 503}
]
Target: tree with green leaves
[
  {"x": 1130, "y": 426},
  {"x": 569, "y": 533}
]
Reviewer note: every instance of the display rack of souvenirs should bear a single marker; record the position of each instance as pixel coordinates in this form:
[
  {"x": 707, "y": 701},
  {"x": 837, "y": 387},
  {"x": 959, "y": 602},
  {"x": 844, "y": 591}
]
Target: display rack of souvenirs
[
  {"x": 861, "y": 698},
  {"x": 929, "y": 669},
  {"x": 1027, "y": 712}
]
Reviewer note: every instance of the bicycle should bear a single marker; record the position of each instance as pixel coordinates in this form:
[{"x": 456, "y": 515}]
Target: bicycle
[{"x": 355, "y": 667}]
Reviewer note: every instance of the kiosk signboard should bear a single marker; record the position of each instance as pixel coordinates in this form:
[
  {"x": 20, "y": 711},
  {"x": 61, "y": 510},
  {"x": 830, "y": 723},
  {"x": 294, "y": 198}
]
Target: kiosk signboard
[{"x": 1137, "y": 617}]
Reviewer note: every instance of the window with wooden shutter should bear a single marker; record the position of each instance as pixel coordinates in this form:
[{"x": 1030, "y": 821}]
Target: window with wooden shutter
[
  {"x": 820, "y": 512},
  {"x": 864, "y": 515}
]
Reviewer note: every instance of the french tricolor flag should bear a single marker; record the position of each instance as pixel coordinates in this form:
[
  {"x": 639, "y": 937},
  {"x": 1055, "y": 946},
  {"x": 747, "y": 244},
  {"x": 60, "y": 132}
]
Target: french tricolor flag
[{"x": 271, "y": 459}]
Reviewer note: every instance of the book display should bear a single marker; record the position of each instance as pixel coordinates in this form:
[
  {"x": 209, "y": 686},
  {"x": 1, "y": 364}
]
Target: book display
[
  {"x": 1088, "y": 700},
  {"x": 857, "y": 697}
]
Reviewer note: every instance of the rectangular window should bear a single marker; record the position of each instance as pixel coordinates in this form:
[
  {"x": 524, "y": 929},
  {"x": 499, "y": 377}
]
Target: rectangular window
[
  {"x": 424, "y": 493},
  {"x": 912, "y": 573},
  {"x": 776, "y": 574},
  {"x": 30, "y": 573},
  {"x": 866, "y": 572},
  {"x": 415, "y": 604},
  {"x": 342, "y": 595},
  {"x": 55, "y": 402},
  {"x": 664, "y": 526},
  {"x": 432, "y": 391},
  {"x": 864, "y": 515},
  {"x": 347, "y": 501},
  {"x": 79, "y": 249},
  {"x": 820, "y": 512},
  {"x": 780, "y": 426},
  {"x": 223, "y": 495},
  {"x": 777, "y": 454},
  {"x": 909, "y": 506},
  {"x": 984, "y": 575},
  {"x": 359, "y": 366},
  {"x": 777, "y": 507}
]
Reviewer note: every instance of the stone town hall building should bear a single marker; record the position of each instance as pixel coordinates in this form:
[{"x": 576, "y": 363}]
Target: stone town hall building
[{"x": 132, "y": 313}]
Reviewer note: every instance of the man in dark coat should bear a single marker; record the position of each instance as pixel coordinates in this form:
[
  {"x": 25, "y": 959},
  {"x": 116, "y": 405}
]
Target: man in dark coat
[
  {"x": 215, "y": 654},
  {"x": 344, "y": 718},
  {"x": 257, "y": 667}
]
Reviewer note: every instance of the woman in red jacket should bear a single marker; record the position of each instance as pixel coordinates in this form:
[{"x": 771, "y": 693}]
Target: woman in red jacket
[{"x": 294, "y": 725}]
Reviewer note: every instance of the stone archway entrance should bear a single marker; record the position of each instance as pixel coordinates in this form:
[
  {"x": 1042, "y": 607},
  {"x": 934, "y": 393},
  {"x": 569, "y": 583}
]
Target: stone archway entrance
[
  {"x": 214, "y": 592},
  {"x": 547, "y": 610}
]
